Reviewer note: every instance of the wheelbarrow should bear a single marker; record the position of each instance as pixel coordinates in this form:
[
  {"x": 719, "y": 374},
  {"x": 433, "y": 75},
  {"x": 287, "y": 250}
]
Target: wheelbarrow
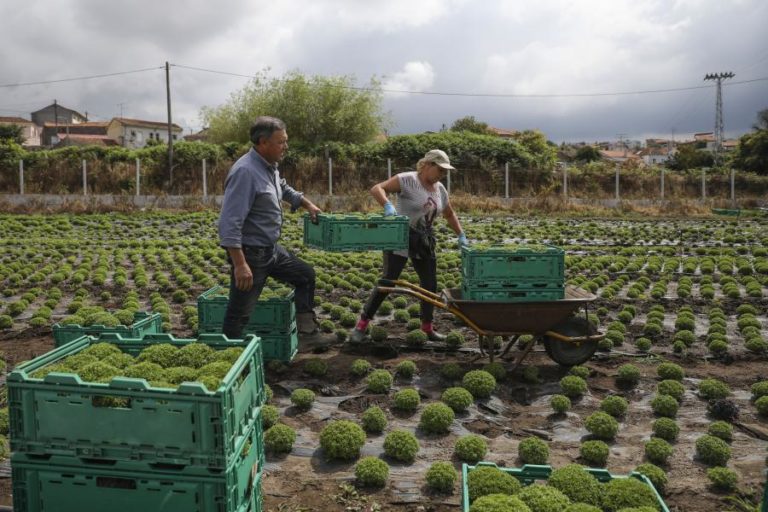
[{"x": 568, "y": 339}]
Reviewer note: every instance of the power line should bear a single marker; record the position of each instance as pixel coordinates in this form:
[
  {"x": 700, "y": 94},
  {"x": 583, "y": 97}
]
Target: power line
[
  {"x": 491, "y": 95},
  {"x": 90, "y": 77}
]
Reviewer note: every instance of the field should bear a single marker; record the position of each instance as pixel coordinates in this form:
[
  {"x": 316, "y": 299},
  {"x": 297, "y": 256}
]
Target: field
[{"x": 686, "y": 291}]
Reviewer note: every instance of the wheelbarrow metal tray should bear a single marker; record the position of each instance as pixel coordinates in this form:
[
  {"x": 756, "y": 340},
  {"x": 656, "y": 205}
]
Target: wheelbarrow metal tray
[{"x": 518, "y": 317}]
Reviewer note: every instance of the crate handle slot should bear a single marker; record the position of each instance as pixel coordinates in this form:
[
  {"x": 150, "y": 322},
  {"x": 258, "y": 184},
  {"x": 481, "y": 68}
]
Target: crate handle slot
[
  {"x": 167, "y": 466},
  {"x": 98, "y": 462},
  {"x": 116, "y": 483},
  {"x": 111, "y": 402}
]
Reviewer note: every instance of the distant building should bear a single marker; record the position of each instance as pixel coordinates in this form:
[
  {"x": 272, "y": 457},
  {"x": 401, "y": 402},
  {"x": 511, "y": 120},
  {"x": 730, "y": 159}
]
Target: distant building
[
  {"x": 658, "y": 155},
  {"x": 56, "y": 114},
  {"x": 135, "y": 133},
  {"x": 54, "y": 133},
  {"x": 201, "y": 136},
  {"x": 79, "y": 139},
  {"x": 502, "y": 132},
  {"x": 29, "y": 130},
  {"x": 618, "y": 155}
]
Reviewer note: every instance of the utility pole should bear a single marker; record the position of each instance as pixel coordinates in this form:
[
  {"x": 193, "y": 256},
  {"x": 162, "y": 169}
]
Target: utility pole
[
  {"x": 56, "y": 120},
  {"x": 718, "y": 77},
  {"x": 621, "y": 137},
  {"x": 170, "y": 124}
]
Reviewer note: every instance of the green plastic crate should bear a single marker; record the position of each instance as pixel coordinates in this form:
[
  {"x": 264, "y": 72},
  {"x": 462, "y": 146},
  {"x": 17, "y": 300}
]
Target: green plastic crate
[
  {"x": 280, "y": 346},
  {"x": 513, "y": 262},
  {"x": 513, "y": 294},
  {"x": 274, "y": 314},
  {"x": 530, "y": 473},
  {"x": 65, "y": 484},
  {"x": 341, "y": 233},
  {"x": 512, "y": 284},
  {"x": 62, "y": 415},
  {"x": 143, "y": 323}
]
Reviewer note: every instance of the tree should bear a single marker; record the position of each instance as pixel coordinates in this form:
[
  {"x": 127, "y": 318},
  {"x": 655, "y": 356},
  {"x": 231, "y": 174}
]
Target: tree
[
  {"x": 752, "y": 152},
  {"x": 316, "y": 109},
  {"x": 469, "y": 124},
  {"x": 587, "y": 154},
  {"x": 688, "y": 157},
  {"x": 12, "y": 132}
]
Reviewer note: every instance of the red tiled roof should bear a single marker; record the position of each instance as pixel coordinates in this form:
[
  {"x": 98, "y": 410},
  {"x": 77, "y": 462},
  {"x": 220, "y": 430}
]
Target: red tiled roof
[
  {"x": 95, "y": 124},
  {"x": 14, "y": 120},
  {"x": 140, "y": 122},
  {"x": 89, "y": 139}
]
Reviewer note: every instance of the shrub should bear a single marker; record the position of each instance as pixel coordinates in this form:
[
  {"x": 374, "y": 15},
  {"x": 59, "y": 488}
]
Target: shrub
[
  {"x": 441, "y": 476},
  {"x": 316, "y": 367},
  {"x": 686, "y": 337},
  {"x": 672, "y": 388},
  {"x": 458, "y": 399},
  {"x": 723, "y": 479},
  {"x": 759, "y": 389},
  {"x": 480, "y": 383},
  {"x": 470, "y": 448},
  {"x": 655, "y": 474},
  {"x": 543, "y": 498},
  {"x": 602, "y": 425},
  {"x": 573, "y": 386},
  {"x": 499, "y": 503},
  {"x": 6, "y": 321},
  {"x": 279, "y": 438},
  {"x": 560, "y": 403},
  {"x": 614, "y": 405},
  {"x": 407, "y": 400},
  {"x": 486, "y": 480},
  {"x": 533, "y": 450},
  {"x": 657, "y": 450},
  {"x": 712, "y": 450},
  {"x": 723, "y": 409},
  {"x": 416, "y": 337},
  {"x": 622, "y": 493},
  {"x": 378, "y": 333},
  {"x": 496, "y": 369},
  {"x": 594, "y": 453},
  {"x": 406, "y": 369},
  {"x": 665, "y": 405},
  {"x": 401, "y": 445},
  {"x": 374, "y": 420},
  {"x": 579, "y": 371},
  {"x": 342, "y": 439},
  {"x": 379, "y": 381},
  {"x": 762, "y": 405},
  {"x": 628, "y": 375},
  {"x": 576, "y": 483},
  {"x": 360, "y": 367},
  {"x": 302, "y": 398},
  {"x": 195, "y": 355},
  {"x": 643, "y": 344},
  {"x": 371, "y": 472},
  {"x": 436, "y": 418},
  {"x": 269, "y": 416},
  {"x": 451, "y": 371},
  {"x": 454, "y": 339},
  {"x": 581, "y": 507},
  {"x": 666, "y": 428},
  {"x": 710, "y": 389},
  {"x": 721, "y": 429}
]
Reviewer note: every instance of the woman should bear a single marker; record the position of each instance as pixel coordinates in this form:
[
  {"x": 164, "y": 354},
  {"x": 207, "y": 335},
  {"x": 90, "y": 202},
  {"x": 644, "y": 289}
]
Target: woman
[{"x": 422, "y": 198}]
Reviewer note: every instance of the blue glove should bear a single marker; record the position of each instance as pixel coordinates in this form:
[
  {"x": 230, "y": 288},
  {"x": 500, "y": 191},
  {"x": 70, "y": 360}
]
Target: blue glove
[
  {"x": 463, "y": 242},
  {"x": 389, "y": 210}
]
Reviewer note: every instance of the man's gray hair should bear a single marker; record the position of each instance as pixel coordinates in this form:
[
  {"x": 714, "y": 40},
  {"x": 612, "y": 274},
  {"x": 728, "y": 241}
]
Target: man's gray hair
[{"x": 265, "y": 126}]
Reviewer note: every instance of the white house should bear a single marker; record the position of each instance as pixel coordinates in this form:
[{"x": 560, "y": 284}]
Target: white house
[{"x": 135, "y": 133}]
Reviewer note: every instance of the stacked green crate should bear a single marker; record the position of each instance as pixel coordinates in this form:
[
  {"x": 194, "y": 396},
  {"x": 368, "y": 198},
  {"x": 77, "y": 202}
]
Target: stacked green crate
[
  {"x": 273, "y": 320},
  {"x": 530, "y": 473},
  {"x": 513, "y": 273},
  {"x": 191, "y": 445},
  {"x": 143, "y": 323},
  {"x": 356, "y": 232}
]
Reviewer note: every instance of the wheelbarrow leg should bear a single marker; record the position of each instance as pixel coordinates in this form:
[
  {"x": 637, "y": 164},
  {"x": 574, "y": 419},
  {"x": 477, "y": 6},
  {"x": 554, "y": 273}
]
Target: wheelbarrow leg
[
  {"x": 522, "y": 355},
  {"x": 510, "y": 343}
]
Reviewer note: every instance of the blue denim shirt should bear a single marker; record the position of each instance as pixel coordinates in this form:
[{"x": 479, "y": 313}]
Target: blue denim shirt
[{"x": 251, "y": 213}]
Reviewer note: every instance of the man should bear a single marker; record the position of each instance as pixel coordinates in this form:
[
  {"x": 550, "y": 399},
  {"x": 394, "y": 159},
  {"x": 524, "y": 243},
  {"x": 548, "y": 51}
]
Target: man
[{"x": 249, "y": 228}]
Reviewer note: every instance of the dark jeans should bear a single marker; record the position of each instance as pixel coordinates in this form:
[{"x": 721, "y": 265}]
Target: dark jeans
[
  {"x": 268, "y": 262},
  {"x": 426, "y": 268}
]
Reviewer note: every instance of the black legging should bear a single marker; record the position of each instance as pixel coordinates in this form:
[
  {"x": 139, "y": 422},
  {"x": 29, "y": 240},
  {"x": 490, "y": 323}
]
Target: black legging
[{"x": 393, "y": 267}]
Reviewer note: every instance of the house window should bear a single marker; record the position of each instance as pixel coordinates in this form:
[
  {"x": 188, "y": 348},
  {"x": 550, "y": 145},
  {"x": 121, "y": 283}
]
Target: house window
[{"x": 174, "y": 136}]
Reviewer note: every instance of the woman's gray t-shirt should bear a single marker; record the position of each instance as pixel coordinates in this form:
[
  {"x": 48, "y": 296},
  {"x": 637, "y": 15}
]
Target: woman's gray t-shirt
[{"x": 420, "y": 205}]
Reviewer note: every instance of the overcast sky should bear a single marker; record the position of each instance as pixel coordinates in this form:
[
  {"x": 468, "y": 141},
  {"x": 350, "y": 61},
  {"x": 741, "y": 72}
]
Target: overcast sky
[{"x": 502, "y": 52}]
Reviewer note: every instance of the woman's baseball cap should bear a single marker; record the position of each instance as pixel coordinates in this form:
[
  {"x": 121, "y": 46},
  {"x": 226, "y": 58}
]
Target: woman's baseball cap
[{"x": 438, "y": 157}]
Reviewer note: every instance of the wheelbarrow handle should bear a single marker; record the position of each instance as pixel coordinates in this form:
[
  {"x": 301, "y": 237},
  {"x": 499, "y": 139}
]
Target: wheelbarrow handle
[{"x": 419, "y": 292}]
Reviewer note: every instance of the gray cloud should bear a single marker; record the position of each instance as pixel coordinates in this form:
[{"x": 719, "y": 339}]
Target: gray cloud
[{"x": 467, "y": 46}]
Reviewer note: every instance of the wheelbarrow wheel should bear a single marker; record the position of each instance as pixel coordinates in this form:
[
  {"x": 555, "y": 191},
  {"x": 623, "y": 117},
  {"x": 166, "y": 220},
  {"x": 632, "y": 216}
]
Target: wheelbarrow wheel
[{"x": 571, "y": 354}]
